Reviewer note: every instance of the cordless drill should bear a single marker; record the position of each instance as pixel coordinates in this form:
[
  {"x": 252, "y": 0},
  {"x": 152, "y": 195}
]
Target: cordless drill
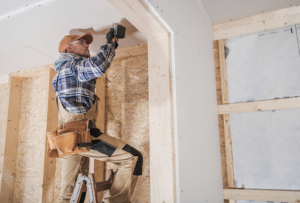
[{"x": 119, "y": 32}]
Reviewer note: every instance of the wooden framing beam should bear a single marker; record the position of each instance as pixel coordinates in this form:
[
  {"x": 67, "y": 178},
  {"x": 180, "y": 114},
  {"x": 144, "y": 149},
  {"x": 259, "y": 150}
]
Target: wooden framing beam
[
  {"x": 260, "y": 106},
  {"x": 227, "y": 133},
  {"x": 131, "y": 51},
  {"x": 49, "y": 164},
  {"x": 223, "y": 74},
  {"x": 262, "y": 195},
  {"x": 99, "y": 166},
  {"x": 7, "y": 172},
  {"x": 161, "y": 167},
  {"x": 32, "y": 72},
  {"x": 257, "y": 23}
]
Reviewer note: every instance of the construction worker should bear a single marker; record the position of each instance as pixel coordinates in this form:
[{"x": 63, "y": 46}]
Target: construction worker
[{"x": 74, "y": 85}]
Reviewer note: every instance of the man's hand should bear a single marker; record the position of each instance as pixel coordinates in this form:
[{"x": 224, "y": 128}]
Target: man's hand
[{"x": 110, "y": 35}]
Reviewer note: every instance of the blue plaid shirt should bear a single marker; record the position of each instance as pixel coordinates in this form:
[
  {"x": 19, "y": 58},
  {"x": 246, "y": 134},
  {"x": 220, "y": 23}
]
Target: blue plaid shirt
[{"x": 77, "y": 77}]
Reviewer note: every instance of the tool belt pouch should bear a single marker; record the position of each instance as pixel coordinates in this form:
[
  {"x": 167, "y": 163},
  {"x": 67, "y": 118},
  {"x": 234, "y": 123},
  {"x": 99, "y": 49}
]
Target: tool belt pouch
[{"x": 68, "y": 138}]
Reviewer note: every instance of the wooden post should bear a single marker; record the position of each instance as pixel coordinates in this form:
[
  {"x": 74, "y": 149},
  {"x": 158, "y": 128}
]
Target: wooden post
[
  {"x": 99, "y": 166},
  {"x": 227, "y": 134},
  {"x": 160, "y": 121},
  {"x": 7, "y": 172},
  {"x": 51, "y": 116}
]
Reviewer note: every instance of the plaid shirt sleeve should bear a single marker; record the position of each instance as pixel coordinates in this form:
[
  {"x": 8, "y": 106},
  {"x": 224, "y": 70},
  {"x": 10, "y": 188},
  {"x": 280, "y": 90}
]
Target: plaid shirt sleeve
[{"x": 93, "y": 67}]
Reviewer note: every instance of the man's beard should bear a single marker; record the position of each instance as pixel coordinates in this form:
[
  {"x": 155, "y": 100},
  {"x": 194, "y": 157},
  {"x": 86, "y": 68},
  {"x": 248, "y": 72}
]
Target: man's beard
[{"x": 87, "y": 55}]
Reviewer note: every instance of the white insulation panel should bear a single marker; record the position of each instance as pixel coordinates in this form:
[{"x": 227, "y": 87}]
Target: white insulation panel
[
  {"x": 265, "y": 145},
  {"x": 266, "y": 148},
  {"x": 263, "y": 66}
]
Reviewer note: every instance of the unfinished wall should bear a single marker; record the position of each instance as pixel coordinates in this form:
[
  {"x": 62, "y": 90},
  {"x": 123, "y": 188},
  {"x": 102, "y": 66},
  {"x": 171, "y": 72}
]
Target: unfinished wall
[
  {"x": 127, "y": 113},
  {"x": 30, "y": 140},
  {"x": 199, "y": 177},
  {"x": 3, "y": 112}
]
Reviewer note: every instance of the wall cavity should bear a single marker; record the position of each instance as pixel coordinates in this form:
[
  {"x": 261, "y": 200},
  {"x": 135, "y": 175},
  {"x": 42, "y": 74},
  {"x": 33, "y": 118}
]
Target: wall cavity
[{"x": 30, "y": 140}]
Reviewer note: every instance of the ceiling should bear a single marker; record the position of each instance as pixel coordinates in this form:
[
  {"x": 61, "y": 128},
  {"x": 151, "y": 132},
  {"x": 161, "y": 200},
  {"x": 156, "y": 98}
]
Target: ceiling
[
  {"x": 220, "y": 11},
  {"x": 30, "y": 30}
]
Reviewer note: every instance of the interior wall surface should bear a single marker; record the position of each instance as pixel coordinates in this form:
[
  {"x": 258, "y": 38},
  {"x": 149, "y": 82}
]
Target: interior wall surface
[{"x": 199, "y": 173}]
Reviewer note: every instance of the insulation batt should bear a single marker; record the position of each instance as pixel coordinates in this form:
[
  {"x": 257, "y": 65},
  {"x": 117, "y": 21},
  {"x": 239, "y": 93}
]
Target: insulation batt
[{"x": 30, "y": 140}]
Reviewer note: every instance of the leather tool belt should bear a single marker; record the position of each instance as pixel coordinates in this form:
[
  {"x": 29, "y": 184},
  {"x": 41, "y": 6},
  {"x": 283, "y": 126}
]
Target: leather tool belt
[{"x": 70, "y": 138}]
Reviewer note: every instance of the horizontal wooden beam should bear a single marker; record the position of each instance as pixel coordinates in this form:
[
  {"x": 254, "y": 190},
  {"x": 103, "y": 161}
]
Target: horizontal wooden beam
[
  {"x": 262, "y": 195},
  {"x": 257, "y": 23},
  {"x": 266, "y": 105},
  {"x": 135, "y": 50},
  {"x": 32, "y": 72}
]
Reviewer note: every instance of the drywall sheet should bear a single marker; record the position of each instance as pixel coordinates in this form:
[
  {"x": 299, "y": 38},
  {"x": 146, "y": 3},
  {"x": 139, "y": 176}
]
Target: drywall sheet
[
  {"x": 265, "y": 148},
  {"x": 263, "y": 66}
]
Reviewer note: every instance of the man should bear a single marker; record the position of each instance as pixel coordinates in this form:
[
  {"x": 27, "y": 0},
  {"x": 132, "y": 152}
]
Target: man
[{"x": 74, "y": 85}]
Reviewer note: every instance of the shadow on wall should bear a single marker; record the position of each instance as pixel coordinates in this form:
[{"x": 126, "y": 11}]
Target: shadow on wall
[{"x": 133, "y": 36}]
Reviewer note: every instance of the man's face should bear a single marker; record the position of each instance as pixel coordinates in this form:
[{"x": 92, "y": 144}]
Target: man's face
[{"x": 79, "y": 47}]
